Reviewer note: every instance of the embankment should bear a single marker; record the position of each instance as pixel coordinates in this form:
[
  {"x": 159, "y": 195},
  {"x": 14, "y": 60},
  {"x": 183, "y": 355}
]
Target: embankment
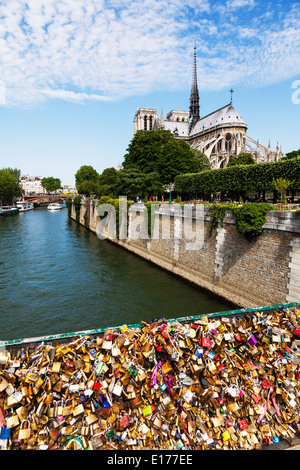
[{"x": 263, "y": 271}]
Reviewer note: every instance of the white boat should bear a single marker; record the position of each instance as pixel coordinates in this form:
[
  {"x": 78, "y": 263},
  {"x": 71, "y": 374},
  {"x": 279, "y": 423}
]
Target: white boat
[
  {"x": 24, "y": 206},
  {"x": 54, "y": 206}
]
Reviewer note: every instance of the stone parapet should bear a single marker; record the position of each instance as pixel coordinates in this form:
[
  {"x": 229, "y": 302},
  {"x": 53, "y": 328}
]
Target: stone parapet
[{"x": 263, "y": 271}]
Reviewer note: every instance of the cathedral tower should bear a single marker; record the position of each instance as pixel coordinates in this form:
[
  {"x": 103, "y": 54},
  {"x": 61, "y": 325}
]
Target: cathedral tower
[{"x": 194, "y": 96}]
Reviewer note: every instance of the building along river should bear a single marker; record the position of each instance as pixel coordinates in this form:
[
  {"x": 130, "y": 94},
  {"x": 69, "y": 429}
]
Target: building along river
[{"x": 58, "y": 277}]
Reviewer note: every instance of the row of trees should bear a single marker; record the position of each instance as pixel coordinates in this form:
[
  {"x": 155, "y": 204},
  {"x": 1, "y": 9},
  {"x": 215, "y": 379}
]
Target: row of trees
[
  {"x": 152, "y": 161},
  {"x": 241, "y": 178}
]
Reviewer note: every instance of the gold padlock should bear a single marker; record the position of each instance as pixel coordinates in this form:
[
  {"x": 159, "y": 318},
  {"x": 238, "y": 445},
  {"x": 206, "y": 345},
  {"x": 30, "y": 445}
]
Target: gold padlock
[
  {"x": 78, "y": 410},
  {"x": 24, "y": 433}
]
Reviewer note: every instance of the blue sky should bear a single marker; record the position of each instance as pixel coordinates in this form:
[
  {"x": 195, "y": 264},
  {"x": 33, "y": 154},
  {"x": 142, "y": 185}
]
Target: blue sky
[{"x": 73, "y": 73}]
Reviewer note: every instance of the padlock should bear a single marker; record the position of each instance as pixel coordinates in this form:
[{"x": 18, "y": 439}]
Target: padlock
[
  {"x": 133, "y": 370},
  {"x": 117, "y": 390},
  {"x": 123, "y": 329},
  {"x": 3, "y": 384},
  {"x": 67, "y": 409},
  {"x": 24, "y": 433},
  {"x": 123, "y": 422},
  {"x": 148, "y": 410},
  {"x": 243, "y": 424},
  {"x": 78, "y": 410},
  {"x": 99, "y": 367},
  {"x": 225, "y": 436},
  {"x": 56, "y": 367},
  {"x": 206, "y": 342},
  {"x": 90, "y": 419},
  {"x": 115, "y": 351},
  {"x": 166, "y": 368},
  {"x": 12, "y": 421},
  {"x": 96, "y": 442}
]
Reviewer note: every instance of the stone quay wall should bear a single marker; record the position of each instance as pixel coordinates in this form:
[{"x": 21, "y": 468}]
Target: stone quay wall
[{"x": 261, "y": 272}]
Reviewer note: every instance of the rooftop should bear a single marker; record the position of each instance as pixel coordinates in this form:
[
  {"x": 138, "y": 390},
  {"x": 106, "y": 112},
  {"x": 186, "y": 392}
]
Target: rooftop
[{"x": 225, "y": 115}]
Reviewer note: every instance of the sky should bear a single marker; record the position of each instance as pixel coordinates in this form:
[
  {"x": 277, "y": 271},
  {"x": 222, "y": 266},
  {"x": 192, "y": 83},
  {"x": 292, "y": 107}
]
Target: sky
[{"x": 74, "y": 72}]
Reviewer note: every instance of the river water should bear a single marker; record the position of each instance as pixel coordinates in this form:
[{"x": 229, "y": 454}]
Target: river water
[{"x": 58, "y": 277}]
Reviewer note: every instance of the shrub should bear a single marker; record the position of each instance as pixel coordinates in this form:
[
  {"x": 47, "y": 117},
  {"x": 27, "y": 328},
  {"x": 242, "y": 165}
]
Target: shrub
[{"x": 250, "y": 218}]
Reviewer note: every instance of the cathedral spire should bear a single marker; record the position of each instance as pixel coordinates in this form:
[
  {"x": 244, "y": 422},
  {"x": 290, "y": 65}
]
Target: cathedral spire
[{"x": 194, "y": 96}]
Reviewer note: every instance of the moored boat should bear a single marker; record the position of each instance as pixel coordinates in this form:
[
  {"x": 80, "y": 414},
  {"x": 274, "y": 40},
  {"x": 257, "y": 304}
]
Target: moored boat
[
  {"x": 25, "y": 206},
  {"x": 6, "y": 211}
]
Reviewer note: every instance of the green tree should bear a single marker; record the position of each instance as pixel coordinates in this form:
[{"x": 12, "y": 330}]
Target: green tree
[
  {"x": 281, "y": 185},
  {"x": 10, "y": 185},
  {"x": 293, "y": 154},
  {"x": 51, "y": 184},
  {"x": 132, "y": 182},
  {"x": 86, "y": 173},
  {"x": 88, "y": 187},
  {"x": 158, "y": 151},
  {"x": 202, "y": 158},
  {"x": 108, "y": 176},
  {"x": 242, "y": 159}
]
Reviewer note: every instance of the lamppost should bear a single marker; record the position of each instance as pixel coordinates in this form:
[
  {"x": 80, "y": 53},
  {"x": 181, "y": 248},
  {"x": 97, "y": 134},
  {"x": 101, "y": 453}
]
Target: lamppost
[{"x": 170, "y": 199}]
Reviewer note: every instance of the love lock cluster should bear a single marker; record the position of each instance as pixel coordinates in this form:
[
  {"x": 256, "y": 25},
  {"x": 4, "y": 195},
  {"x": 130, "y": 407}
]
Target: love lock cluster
[{"x": 230, "y": 382}]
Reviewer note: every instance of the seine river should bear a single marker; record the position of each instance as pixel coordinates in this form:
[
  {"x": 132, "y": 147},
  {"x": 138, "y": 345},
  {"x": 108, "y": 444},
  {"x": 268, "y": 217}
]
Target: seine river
[{"x": 57, "y": 277}]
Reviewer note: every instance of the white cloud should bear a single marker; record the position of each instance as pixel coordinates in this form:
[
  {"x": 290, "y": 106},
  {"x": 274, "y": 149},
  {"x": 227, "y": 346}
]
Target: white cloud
[
  {"x": 72, "y": 96},
  {"x": 109, "y": 49},
  {"x": 235, "y": 4}
]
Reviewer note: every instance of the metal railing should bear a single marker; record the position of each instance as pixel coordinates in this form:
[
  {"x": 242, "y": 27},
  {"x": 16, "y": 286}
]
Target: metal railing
[{"x": 5, "y": 345}]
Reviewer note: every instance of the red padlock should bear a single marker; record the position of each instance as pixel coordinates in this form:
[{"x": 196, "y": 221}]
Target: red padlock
[
  {"x": 97, "y": 385},
  {"x": 256, "y": 398},
  {"x": 206, "y": 342},
  {"x": 229, "y": 421},
  {"x": 265, "y": 384},
  {"x": 123, "y": 422},
  {"x": 243, "y": 424}
]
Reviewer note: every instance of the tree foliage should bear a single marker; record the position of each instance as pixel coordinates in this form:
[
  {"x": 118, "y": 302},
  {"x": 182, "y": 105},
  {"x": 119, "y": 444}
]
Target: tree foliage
[
  {"x": 259, "y": 177},
  {"x": 159, "y": 152},
  {"x": 202, "y": 158},
  {"x": 132, "y": 182},
  {"x": 10, "y": 185},
  {"x": 88, "y": 188},
  {"x": 86, "y": 173},
  {"x": 250, "y": 218},
  {"x": 89, "y": 182},
  {"x": 108, "y": 176},
  {"x": 51, "y": 184},
  {"x": 281, "y": 185},
  {"x": 293, "y": 154},
  {"x": 241, "y": 159}
]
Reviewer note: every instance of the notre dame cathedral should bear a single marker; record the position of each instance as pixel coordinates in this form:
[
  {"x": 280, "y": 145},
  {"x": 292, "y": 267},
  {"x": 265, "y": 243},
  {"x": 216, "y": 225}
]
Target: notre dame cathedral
[{"x": 220, "y": 135}]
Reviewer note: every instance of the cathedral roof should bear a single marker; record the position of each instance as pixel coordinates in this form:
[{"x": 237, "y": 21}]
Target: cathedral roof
[
  {"x": 225, "y": 115},
  {"x": 181, "y": 126},
  {"x": 220, "y": 117}
]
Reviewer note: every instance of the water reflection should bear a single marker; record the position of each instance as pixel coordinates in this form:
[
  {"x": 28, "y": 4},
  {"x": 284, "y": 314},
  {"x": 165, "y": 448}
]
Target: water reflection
[{"x": 56, "y": 276}]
